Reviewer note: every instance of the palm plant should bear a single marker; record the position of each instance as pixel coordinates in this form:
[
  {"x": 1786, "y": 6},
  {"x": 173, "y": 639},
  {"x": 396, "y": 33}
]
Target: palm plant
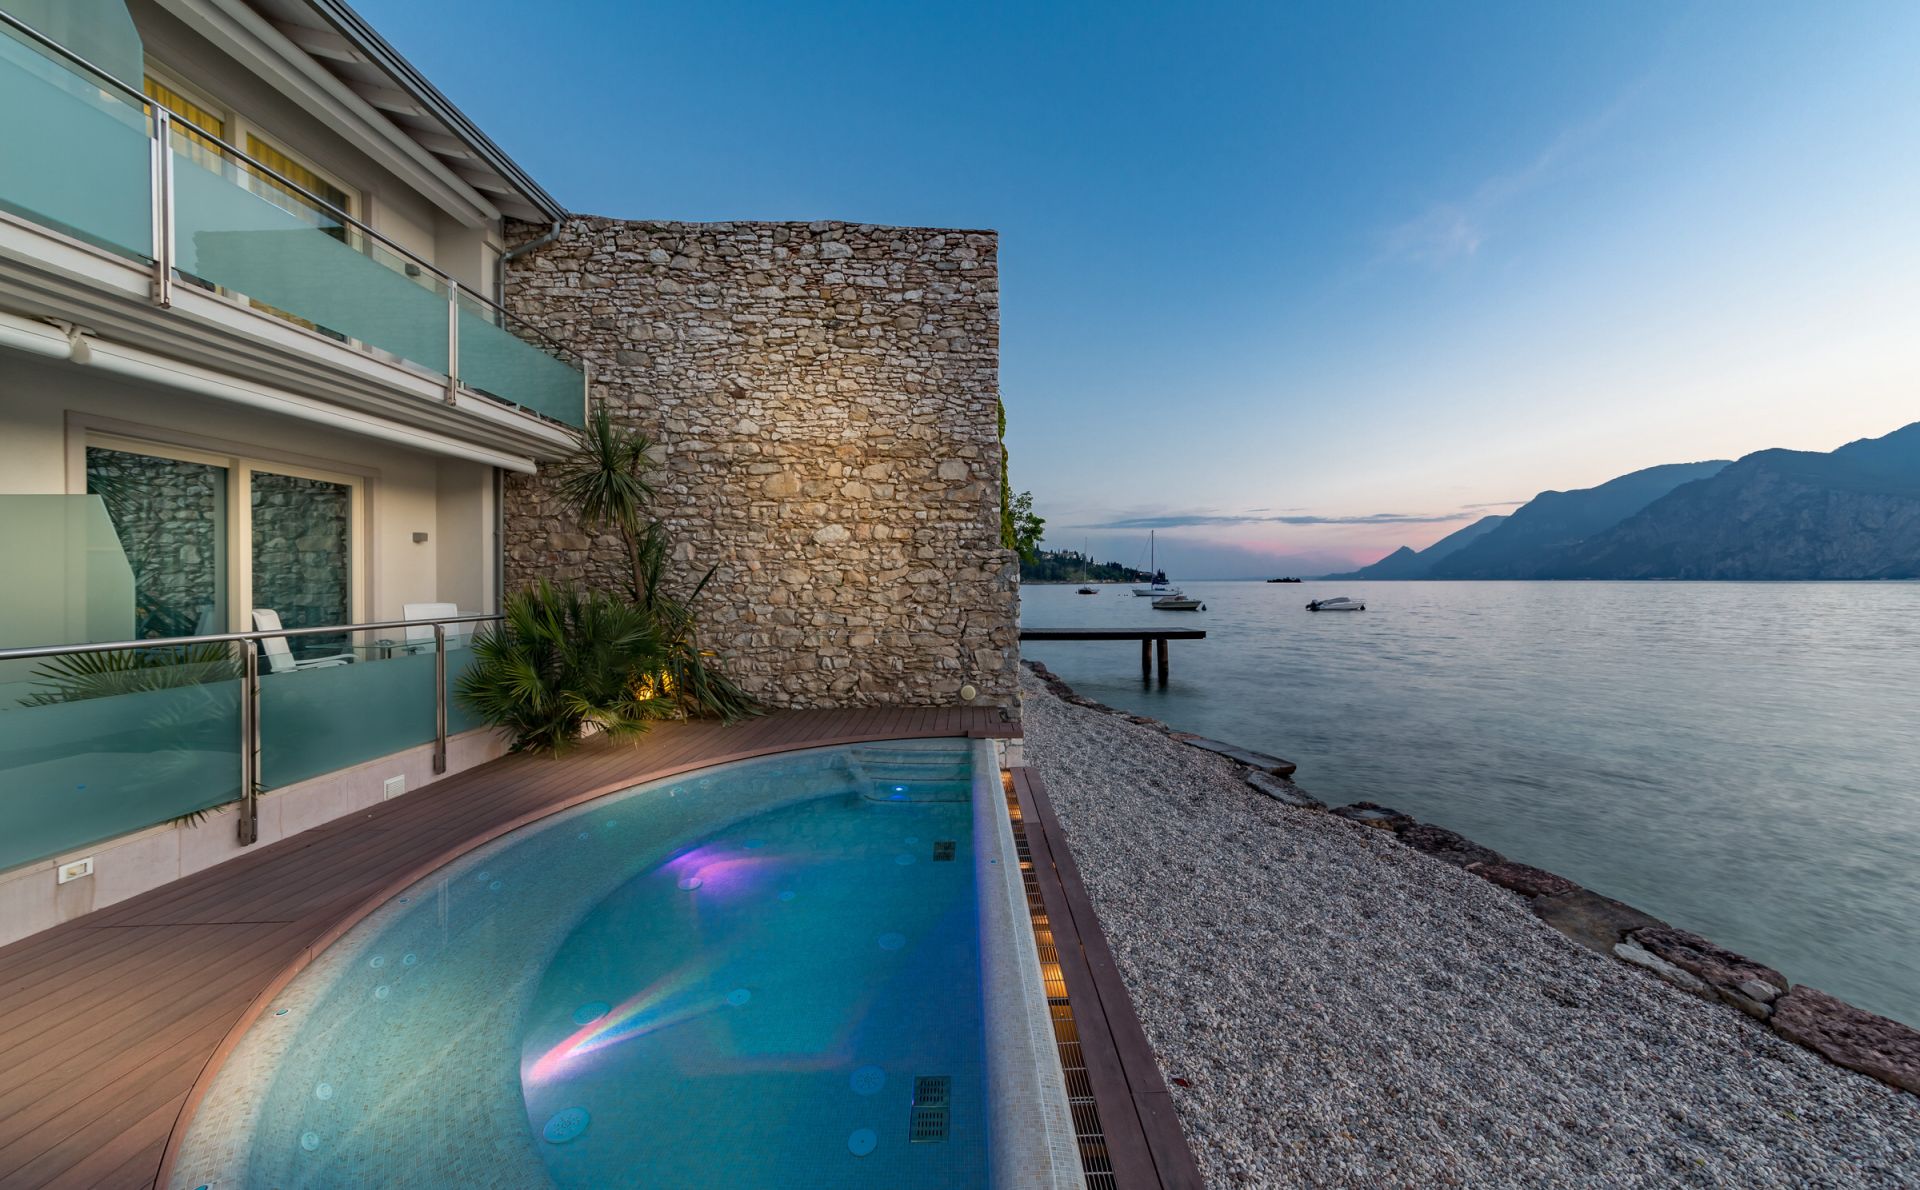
[
  {"x": 563, "y": 661},
  {"x": 77, "y": 677},
  {"x": 604, "y": 479}
]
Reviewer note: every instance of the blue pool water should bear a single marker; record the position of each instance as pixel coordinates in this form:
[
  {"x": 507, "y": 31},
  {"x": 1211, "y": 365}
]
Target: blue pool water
[{"x": 767, "y": 975}]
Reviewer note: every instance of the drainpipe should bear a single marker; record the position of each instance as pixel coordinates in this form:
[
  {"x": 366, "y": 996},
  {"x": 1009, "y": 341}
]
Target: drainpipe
[{"x": 500, "y": 265}]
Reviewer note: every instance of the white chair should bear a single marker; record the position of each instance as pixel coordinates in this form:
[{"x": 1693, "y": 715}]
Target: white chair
[
  {"x": 280, "y": 658},
  {"x": 420, "y": 636}
]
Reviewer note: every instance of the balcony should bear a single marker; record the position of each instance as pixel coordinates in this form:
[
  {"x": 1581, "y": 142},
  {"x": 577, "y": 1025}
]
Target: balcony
[
  {"x": 93, "y": 159},
  {"x": 99, "y": 741}
]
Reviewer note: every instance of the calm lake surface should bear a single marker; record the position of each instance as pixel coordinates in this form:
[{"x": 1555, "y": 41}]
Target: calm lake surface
[{"x": 1741, "y": 759}]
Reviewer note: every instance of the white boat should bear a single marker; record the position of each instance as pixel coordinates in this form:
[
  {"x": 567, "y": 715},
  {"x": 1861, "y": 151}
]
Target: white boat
[
  {"x": 1159, "y": 588},
  {"x": 1178, "y": 603},
  {"x": 1337, "y": 604}
]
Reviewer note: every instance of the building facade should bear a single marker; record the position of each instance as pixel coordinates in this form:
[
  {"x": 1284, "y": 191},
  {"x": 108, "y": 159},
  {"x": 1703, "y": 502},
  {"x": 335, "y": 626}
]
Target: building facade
[{"x": 285, "y": 341}]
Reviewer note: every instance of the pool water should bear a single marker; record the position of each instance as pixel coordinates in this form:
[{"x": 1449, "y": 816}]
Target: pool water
[{"x": 765, "y": 975}]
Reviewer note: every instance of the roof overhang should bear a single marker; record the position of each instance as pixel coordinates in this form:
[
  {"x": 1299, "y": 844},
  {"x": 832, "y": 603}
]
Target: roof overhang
[{"x": 326, "y": 54}]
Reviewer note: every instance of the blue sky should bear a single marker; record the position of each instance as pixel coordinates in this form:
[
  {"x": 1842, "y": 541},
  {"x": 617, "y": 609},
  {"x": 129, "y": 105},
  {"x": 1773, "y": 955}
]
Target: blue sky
[{"x": 1303, "y": 282}]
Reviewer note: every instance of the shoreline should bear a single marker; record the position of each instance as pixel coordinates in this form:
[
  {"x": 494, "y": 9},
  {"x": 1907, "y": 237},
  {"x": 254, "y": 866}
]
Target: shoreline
[
  {"x": 1845, "y": 1035},
  {"x": 1329, "y": 1006}
]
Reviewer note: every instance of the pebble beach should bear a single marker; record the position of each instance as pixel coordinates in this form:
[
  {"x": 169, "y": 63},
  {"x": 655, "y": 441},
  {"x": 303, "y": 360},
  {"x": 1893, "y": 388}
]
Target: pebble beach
[{"x": 1334, "y": 1008}]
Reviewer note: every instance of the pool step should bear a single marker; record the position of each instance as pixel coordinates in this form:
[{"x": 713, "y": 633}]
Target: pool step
[{"x": 899, "y": 774}]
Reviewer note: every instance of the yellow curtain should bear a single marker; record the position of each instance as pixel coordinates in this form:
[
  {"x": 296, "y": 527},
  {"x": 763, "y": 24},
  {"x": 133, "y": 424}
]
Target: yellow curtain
[{"x": 205, "y": 151}]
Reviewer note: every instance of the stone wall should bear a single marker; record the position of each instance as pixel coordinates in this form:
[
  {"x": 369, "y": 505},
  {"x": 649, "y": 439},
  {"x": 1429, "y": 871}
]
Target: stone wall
[{"x": 824, "y": 399}]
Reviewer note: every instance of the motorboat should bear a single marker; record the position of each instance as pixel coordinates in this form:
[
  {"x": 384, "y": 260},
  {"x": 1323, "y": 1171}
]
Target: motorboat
[
  {"x": 1339, "y": 603},
  {"x": 1086, "y": 591},
  {"x": 1178, "y": 603}
]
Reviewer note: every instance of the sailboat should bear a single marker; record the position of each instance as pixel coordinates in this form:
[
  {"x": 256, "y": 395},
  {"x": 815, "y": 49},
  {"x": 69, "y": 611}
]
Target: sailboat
[
  {"x": 1159, "y": 588},
  {"x": 1085, "y": 557}
]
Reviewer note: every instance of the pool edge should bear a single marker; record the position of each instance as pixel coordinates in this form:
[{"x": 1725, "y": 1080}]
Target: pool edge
[{"x": 1031, "y": 1136}]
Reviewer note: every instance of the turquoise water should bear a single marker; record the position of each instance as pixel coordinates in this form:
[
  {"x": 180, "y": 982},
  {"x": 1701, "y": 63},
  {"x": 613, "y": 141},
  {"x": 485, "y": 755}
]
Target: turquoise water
[
  {"x": 1741, "y": 759},
  {"x": 767, "y": 975}
]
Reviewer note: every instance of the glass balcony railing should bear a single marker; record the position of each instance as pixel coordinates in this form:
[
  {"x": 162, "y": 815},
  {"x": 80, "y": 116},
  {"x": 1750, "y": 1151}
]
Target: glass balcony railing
[
  {"x": 84, "y": 156},
  {"x": 98, "y": 741}
]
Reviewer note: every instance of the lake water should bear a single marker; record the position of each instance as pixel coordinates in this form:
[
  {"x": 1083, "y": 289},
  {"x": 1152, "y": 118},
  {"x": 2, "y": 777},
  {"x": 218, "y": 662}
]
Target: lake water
[{"x": 1740, "y": 759}]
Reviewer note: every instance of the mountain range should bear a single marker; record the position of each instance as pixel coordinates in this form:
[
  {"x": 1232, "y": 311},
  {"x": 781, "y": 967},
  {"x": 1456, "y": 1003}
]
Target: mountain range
[{"x": 1853, "y": 513}]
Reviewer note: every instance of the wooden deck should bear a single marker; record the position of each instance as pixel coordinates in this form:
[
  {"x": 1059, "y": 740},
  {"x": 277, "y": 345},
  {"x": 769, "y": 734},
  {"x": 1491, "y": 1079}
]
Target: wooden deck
[
  {"x": 1145, "y": 1143},
  {"x": 111, "y": 1024}
]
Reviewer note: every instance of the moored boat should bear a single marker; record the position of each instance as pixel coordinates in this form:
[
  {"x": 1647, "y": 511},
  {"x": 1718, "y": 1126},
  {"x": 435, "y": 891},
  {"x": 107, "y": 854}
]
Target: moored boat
[
  {"x": 1339, "y": 603},
  {"x": 1178, "y": 603}
]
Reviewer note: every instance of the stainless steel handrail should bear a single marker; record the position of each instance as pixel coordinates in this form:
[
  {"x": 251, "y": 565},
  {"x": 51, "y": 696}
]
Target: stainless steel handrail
[
  {"x": 249, "y": 825},
  {"x": 163, "y": 642},
  {"x": 454, "y": 286}
]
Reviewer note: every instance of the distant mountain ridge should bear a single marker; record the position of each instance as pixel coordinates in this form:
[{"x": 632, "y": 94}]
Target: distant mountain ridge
[
  {"x": 1404, "y": 563},
  {"x": 1553, "y": 521},
  {"x": 1775, "y": 514},
  {"x": 1853, "y": 513}
]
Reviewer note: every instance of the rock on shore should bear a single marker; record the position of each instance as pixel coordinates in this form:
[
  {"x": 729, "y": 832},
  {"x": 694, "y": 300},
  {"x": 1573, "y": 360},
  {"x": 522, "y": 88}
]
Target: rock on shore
[{"x": 1341, "y": 1009}]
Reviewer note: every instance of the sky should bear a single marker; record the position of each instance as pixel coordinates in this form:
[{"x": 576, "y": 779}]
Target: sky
[{"x": 1296, "y": 283}]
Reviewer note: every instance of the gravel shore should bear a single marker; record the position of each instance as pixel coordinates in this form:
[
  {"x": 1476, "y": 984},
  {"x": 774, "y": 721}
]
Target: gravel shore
[{"x": 1350, "y": 1012}]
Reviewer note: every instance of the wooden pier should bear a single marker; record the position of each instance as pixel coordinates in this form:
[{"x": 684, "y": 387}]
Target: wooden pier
[{"x": 1153, "y": 642}]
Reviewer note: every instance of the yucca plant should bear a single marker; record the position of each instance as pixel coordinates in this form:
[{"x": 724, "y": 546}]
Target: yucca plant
[
  {"x": 563, "y": 661},
  {"x": 604, "y": 480},
  {"x": 695, "y": 686}
]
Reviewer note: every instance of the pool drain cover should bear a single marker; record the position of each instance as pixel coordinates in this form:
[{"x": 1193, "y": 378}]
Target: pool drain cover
[
  {"x": 942, "y": 850},
  {"x": 932, "y": 1109},
  {"x": 862, "y": 1142},
  {"x": 566, "y": 1125},
  {"x": 868, "y": 1080}
]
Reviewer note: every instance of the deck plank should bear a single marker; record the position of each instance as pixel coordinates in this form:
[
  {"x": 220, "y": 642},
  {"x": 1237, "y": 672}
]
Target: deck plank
[{"x": 110, "y": 1024}]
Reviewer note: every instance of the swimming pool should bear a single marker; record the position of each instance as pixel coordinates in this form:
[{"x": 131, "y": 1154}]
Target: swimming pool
[{"x": 811, "y": 969}]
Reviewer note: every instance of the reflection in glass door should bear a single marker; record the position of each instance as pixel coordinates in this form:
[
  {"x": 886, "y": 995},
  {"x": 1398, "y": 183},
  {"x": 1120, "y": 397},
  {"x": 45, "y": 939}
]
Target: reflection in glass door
[
  {"x": 171, "y": 518},
  {"x": 302, "y": 535}
]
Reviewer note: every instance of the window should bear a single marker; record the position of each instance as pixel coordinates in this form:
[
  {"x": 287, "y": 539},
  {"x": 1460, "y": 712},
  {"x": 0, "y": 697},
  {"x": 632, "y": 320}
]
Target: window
[{"x": 211, "y": 537}]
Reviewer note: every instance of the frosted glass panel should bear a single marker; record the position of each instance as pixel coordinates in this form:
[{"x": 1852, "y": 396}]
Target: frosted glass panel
[
  {"x": 495, "y": 360},
  {"x": 460, "y": 658},
  {"x": 299, "y": 261},
  {"x": 66, "y": 578},
  {"x": 313, "y": 721},
  {"x": 97, "y": 745},
  {"x": 76, "y": 156}
]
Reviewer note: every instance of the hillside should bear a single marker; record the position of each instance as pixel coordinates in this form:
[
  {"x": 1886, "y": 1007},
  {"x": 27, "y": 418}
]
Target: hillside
[
  {"x": 1536, "y": 534},
  {"x": 1775, "y": 514}
]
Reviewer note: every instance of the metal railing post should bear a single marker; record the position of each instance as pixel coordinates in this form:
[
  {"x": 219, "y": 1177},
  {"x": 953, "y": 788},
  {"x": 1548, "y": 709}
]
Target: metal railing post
[
  {"x": 162, "y": 174},
  {"x": 453, "y": 338},
  {"x": 439, "y": 698},
  {"x": 249, "y": 743}
]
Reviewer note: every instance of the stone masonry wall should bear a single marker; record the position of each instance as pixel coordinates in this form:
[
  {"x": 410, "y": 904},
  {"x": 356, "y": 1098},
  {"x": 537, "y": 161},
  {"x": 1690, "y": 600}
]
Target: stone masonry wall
[{"x": 824, "y": 400}]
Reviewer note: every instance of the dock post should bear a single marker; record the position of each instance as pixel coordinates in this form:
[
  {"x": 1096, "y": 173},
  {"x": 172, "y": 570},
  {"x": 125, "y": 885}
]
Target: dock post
[
  {"x": 1146, "y": 660},
  {"x": 1160, "y": 648}
]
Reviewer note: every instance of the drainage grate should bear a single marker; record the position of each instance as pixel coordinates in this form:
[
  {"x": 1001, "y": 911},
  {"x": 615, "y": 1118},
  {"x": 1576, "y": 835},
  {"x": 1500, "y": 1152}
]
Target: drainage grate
[
  {"x": 942, "y": 849},
  {"x": 1095, "y": 1162},
  {"x": 932, "y": 1109}
]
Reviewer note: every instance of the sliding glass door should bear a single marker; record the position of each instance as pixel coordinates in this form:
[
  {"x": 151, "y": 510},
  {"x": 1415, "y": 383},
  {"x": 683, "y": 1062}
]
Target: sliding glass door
[
  {"x": 213, "y": 538},
  {"x": 302, "y": 539},
  {"x": 170, "y": 514}
]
